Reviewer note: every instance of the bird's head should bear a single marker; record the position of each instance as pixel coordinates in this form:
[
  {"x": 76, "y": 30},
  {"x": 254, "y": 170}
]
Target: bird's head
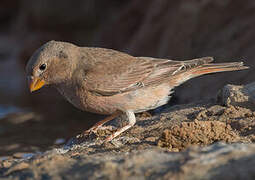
[{"x": 51, "y": 64}]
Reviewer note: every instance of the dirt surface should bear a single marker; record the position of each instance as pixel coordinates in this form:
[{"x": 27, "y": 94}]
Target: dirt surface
[
  {"x": 197, "y": 133},
  {"x": 182, "y": 142}
]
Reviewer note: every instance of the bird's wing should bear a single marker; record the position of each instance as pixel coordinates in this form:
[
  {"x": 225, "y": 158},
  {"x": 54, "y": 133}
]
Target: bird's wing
[
  {"x": 128, "y": 73},
  {"x": 166, "y": 69}
]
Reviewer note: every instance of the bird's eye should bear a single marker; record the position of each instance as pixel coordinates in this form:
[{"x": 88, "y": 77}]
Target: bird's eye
[{"x": 42, "y": 67}]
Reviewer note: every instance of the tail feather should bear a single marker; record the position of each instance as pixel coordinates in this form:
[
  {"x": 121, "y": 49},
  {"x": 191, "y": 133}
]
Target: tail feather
[
  {"x": 217, "y": 67},
  {"x": 208, "y": 68}
]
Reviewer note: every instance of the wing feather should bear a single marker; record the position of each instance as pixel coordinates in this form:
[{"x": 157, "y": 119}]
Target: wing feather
[{"x": 125, "y": 73}]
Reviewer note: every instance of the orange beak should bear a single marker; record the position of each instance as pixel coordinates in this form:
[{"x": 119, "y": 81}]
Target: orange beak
[{"x": 35, "y": 84}]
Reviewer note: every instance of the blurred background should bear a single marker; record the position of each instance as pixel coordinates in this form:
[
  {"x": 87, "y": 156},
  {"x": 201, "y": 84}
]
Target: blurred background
[{"x": 179, "y": 30}]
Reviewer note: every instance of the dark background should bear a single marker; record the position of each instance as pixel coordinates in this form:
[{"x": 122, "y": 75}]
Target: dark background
[{"x": 180, "y": 30}]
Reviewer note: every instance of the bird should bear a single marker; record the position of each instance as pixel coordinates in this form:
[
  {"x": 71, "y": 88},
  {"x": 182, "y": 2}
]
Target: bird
[{"x": 113, "y": 83}]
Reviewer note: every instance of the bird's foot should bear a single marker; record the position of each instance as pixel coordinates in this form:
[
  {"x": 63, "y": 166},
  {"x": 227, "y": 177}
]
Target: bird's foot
[
  {"x": 118, "y": 132},
  {"x": 99, "y": 125}
]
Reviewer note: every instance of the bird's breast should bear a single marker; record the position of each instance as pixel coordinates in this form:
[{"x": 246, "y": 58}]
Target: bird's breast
[
  {"x": 82, "y": 99},
  {"x": 70, "y": 94}
]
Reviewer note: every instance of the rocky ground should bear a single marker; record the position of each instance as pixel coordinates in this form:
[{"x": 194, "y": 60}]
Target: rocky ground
[{"x": 206, "y": 140}]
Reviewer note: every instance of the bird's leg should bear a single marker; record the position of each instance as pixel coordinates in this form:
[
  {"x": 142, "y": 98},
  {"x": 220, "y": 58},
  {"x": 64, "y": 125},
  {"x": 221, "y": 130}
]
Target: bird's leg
[
  {"x": 102, "y": 122},
  {"x": 131, "y": 121}
]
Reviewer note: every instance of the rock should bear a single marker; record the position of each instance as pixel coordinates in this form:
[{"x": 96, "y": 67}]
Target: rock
[
  {"x": 243, "y": 96},
  {"x": 250, "y": 89},
  {"x": 218, "y": 161}
]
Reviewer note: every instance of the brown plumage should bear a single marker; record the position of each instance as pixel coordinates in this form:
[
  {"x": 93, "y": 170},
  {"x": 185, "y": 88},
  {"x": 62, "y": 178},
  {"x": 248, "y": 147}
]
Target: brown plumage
[{"x": 110, "y": 82}]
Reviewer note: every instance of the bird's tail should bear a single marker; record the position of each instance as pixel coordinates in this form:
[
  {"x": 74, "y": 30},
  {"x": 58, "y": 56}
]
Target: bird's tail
[
  {"x": 198, "y": 67},
  {"x": 216, "y": 67}
]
